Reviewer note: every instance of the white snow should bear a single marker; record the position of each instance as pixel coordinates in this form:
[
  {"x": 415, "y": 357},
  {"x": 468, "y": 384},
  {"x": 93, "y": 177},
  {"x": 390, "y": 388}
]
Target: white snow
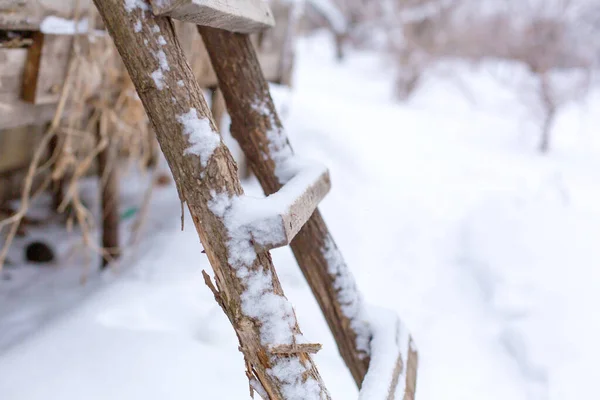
[
  {"x": 161, "y": 57},
  {"x": 158, "y": 78},
  {"x": 260, "y": 218},
  {"x": 61, "y": 26},
  {"x": 138, "y": 26},
  {"x": 348, "y": 295},
  {"x": 131, "y": 5},
  {"x": 260, "y": 302},
  {"x": 161, "y": 40},
  {"x": 202, "y": 138},
  {"x": 443, "y": 210},
  {"x": 163, "y": 66},
  {"x": 390, "y": 341},
  {"x": 286, "y": 164}
]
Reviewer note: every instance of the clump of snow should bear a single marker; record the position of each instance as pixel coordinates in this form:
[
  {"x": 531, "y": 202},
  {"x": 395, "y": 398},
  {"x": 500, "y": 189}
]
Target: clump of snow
[
  {"x": 279, "y": 149},
  {"x": 348, "y": 295},
  {"x": 158, "y": 78},
  {"x": 61, "y": 26},
  {"x": 390, "y": 341},
  {"x": 180, "y": 83},
  {"x": 261, "y": 218},
  {"x": 290, "y": 372},
  {"x": 138, "y": 26},
  {"x": 161, "y": 40},
  {"x": 260, "y": 302},
  {"x": 202, "y": 138},
  {"x": 163, "y": 66},
  {"x": 162, "y": 59},
  {"x": 155, "y": 29},
  {"x": 131, "y": 5}
]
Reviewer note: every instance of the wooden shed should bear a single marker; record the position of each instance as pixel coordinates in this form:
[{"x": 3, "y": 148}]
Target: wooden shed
[
  {"x": 43, "y": 43},
  {"x": 36, "y": 43}
]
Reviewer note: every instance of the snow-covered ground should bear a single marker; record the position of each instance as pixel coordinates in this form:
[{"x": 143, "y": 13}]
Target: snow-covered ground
[{"x": 442, "y": 208}]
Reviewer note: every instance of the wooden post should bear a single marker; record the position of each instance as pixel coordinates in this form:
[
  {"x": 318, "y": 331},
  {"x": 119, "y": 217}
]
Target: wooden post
[
  {"x": 253, "y": 115},
  {"x": 108, "y": 182},
  {"x": 206, "y": 180}
]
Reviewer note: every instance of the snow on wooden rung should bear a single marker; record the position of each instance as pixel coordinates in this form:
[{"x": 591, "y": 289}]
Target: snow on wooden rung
[
  {"x": 244, "y": 16},
  {"x": 392, "y": 371},
  {"x": 273, "y": 221}
]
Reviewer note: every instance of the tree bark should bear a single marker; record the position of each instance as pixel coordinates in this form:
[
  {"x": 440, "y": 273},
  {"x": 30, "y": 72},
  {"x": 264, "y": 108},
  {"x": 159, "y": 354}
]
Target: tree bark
[
  {"x": 148, "y": 44},
  {"x": 253, "y": 116}
]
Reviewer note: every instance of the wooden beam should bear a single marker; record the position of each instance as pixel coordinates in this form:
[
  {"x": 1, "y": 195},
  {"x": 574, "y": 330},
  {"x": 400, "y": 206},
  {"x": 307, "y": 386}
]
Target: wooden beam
[
  {"x": 233, "y": 15},
  {"x": 46, "y": 68},
  {"x": 108, "y": 184},
  {"x": 17, "y": 113},
  {"x": 303, "y": 206},
  {"x": 253, "y": 115},
  {"x": 206, "y": 180},
  {"x": 29, "y": 14}
]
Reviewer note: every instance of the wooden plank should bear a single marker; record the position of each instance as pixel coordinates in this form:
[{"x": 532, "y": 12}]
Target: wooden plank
[
  {"x": 17, "y": 146},
  {"x": 244, "y": 16},
  {"x": 29, "y": 14},
  {"x": 15, "y": 113},
  {"x": 109, "y": 199},
  {"x": 300, "y": 210},
  {"x": 46, "y": 68},
  {"x": 12, "y": 64}
]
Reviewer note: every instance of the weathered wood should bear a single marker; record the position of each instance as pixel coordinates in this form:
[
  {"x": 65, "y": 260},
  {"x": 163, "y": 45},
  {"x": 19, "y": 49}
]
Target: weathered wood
[
  {"x": 233, "y": 15},
  {"x": 19, "y": 113},
  {"x": 108, "y": 184},
  {"x": 17, "y": 146},
  {"x": 296, "y": 215},
  {"x": 201, "y": 181},
  {"x": 244, "y": 87},
  {"x": 14, "y": 112},
  {"x": 392, "y": 371},
  {"x": 412, "y": 364},
  {"x": 46, "y": 68},
  {"x": 29, "y": 14}
]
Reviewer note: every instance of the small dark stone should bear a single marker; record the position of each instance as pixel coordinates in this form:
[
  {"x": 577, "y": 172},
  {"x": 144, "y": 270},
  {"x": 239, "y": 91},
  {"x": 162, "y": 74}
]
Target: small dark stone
[{"x": 39, "y": 252}]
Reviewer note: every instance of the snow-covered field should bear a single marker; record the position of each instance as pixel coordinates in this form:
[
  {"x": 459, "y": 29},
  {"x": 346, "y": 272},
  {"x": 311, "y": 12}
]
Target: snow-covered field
[{"x": 443, "y": 210}]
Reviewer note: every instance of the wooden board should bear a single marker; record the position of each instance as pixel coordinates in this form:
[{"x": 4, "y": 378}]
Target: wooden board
[
  {"x": 46, "y": 68},
  {"x": 17, "y": 146},
  {"x": 29, "y": 14},
  {"x": 18, "y": 113},
  {"x": 244, "y": 16},
  {"x": 14, "y": 112},
  {"x": 12, "y": 64},
  {"x": 299, "y": 212}
]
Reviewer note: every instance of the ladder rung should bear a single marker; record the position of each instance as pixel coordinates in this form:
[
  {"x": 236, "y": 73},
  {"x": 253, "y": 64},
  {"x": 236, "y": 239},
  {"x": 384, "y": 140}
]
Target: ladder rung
[
  {"x": 273, "y": 221},
  {"x": 244, "y": 16}
]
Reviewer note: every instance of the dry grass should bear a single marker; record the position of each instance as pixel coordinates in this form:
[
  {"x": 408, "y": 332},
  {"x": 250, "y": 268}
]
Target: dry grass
[{"x": 98, "y": 107}]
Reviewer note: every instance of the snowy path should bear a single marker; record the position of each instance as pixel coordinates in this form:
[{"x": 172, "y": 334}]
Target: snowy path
[{"x": 443, "y": 212}]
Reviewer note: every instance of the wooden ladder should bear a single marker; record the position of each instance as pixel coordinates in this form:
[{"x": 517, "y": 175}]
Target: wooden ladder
[{"x": 237, "y": 231}]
